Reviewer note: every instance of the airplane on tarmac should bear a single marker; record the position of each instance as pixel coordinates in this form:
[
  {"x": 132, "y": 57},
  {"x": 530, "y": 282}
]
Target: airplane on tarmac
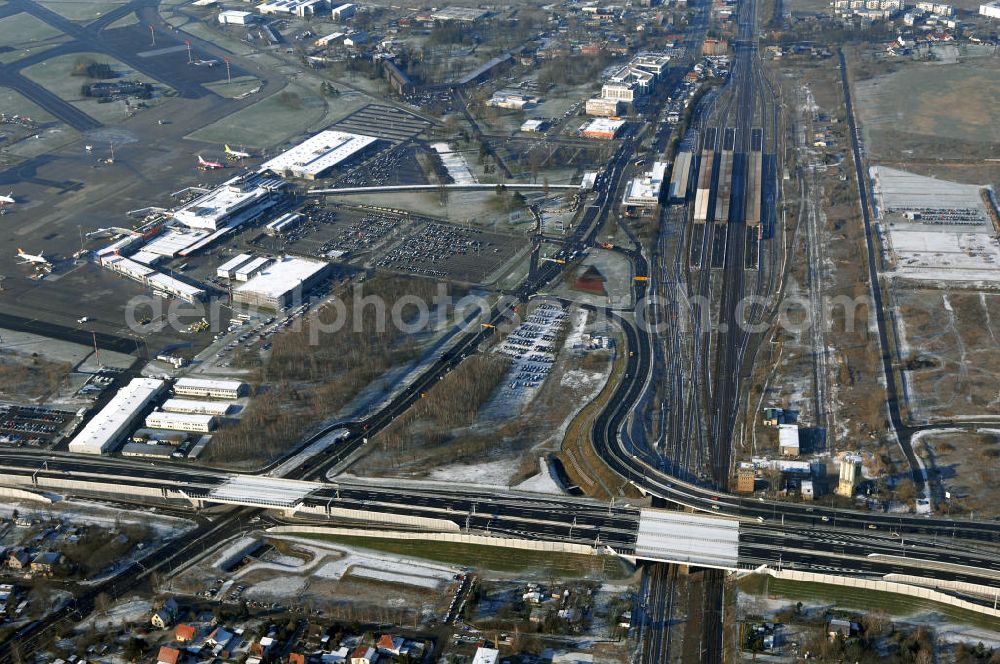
[
  {"x": 204, "y": 63},
  {"x": 5, "y": 201},
  {"x": 208, "y": 165},
  {"x": 38, "y": 258},
  {"x": 236, "y": 154}
]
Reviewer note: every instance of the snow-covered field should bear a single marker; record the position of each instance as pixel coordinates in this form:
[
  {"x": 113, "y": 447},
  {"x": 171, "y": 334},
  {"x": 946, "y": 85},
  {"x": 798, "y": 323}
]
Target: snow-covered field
[
  {"x": 132, "y": 611},
  {"x": 277, "y": 587},
  {"x": 420, "y": 581},
  {"x": 333, "y": 562},
  {"x": 487, "y": 473}
]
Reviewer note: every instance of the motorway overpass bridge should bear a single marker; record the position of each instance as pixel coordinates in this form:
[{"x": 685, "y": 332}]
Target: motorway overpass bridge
[
  {"x": 645, "y": 534},
  {"x": 720, "y": 541}
]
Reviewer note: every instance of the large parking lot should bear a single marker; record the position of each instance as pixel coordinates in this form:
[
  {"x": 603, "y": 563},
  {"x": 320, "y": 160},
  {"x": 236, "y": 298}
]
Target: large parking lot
[
  {"x": 446, "y": 251},
  {"x": 388, "y": 122},
  {"x": 532, "y": 348},
  {"x": 31, "y": 425},
  {"x": 337, "y": 233}
]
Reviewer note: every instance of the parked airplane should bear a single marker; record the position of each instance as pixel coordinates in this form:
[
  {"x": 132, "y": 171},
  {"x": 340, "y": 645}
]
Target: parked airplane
[
  {"x": 204, "y": 63},
  {"x": 39, "y": 258},
  {"x": 236, "y": 154},
  {"x": 209, "y": 165},
  {"x": 5, "y": 201}
]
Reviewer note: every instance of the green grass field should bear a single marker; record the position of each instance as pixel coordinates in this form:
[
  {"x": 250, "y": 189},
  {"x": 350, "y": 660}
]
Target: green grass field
[
  {"x": 238, "y": 86},
  {"x": 496, "y": 559},
  {"x": 56, "y": 75},
  {"x": 81, "y": 10},
  {"x": 23, "y": 33},
  {"x": 14, "y": 103},
  {"x": 125, "y": 21},
  {"x": 893, "y": 604},
  {"x": 282, "y": 116}
]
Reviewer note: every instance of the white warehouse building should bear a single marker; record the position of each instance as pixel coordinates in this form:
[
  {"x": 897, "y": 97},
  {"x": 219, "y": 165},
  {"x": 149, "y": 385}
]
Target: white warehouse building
[
  {"x": 109, "y": 426},
  {"x": 281, "y": 282},
  {"x": 316, "y": 156},
  {"x": 213, "y": 389},
  {"x": 301, "y": 8},
  {"x": 228, "y": 269},
  {"x": 180, "y": 421},
  {"x": 195, "y": 407}
]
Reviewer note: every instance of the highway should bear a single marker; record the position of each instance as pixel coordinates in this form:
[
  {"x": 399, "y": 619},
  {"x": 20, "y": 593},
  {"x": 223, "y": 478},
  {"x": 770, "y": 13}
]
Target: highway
[{"x": 709, "y": 377}]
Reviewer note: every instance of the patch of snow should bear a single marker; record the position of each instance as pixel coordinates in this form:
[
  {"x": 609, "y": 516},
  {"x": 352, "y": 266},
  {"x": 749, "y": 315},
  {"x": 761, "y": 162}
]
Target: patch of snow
[
  {"x": 488, "y": 473},
  {"x": 132, "y": 611},
  {"x": 543, "y": 482},
  {"x": 428, "y": 582},
  {"x": 277, "y": 587}
]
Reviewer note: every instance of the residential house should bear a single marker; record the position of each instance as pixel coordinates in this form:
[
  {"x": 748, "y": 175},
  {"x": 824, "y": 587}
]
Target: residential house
[
  {"x": 185, "y": 633},
  {"x": 161, "y": 619},
  {"x": 47, "y": 562},
  {"x": 168, "y": 655},
  {"x": 364, "y": 655},
  {"x": 18, "y": 559},
  {"x": 840, "y": 627},
  {"x": 390, "y": 645},
  {"x": 336, "y": 656}
]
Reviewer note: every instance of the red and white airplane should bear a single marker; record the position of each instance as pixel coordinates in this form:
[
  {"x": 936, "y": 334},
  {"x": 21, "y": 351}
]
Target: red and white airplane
[{"x": 208, "y": 165}]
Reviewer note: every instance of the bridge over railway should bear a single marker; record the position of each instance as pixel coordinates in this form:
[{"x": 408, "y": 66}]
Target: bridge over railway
[{"x": 398, "y": 188}]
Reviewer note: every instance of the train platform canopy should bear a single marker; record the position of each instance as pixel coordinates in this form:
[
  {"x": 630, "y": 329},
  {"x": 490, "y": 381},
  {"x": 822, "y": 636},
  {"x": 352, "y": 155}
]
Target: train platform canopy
[
  {"x": 263, "y": 491},
  {"x": 690, "y": 539}
]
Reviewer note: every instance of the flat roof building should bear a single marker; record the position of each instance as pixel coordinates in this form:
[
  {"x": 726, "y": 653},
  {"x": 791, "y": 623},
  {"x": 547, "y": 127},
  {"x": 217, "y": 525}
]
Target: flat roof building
[
  {"x": 248, "y": 270},
  {"x": 147, "y": 450},
  {"x": 280, "y": 282},
  {"x": 109, "y": 426},
  {"x": 300, "y": 8},
  {"x": 343, "y": 12},
  {"x": 160, "y": 283},
  {"x": 234, "y": 202},
  {"x": 193, "y": 406},
  {"x": 283, "y": 224},
  {"x": 317, "y": 156},
  {"x": 172, "y": 241},
  {"x": 205, "y": 387},
  {"x": 788, "y": 439},
  {"x": 228, "y": 269},
  {"x": 990, "y": 9},
  {"x": 604, "y": 128},
  {"x": 235, "y": 17},
  {"x": 602, "y": 107},
  {"x": 331, "y": 38},
  {"x": 180, "y": 421},
  {"x": 642, "y": 196}
]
